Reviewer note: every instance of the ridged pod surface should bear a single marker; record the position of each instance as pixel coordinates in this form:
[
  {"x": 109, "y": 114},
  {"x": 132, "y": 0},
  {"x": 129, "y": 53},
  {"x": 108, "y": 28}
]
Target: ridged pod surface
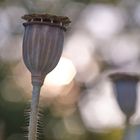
[
  {"x": 42, "y": 48},
  {"x": 42, "y": 44}
]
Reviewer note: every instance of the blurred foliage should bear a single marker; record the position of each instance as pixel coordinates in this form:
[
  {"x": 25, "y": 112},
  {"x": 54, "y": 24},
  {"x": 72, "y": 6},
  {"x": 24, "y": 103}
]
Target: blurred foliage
[
  {"x": 97, "y": 1},
  {"x": 10, "y": 113}
]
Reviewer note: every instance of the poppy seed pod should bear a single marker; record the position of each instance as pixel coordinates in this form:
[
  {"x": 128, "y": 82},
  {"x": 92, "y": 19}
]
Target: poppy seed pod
[
  {"x": 43, "y": 44},
  {"x": 125, "y": 87},
  {"x": 42, "y": 48}
]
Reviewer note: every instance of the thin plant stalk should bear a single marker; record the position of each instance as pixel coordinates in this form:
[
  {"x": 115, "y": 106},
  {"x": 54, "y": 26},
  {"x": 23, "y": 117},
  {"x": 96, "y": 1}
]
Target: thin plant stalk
[
  {"x": 34, "y": 113},
  {"x": 126, "y": 129},
  {"x": 128, "y": 133}
]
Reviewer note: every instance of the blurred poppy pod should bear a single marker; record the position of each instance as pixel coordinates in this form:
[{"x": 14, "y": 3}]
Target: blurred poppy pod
[
  {"x": 125, "y": 87},
  {"x": 43, "y": 44}
]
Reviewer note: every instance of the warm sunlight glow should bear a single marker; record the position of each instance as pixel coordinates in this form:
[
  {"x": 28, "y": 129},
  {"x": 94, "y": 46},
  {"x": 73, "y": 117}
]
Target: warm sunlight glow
[{"x": 63, "y": 74}]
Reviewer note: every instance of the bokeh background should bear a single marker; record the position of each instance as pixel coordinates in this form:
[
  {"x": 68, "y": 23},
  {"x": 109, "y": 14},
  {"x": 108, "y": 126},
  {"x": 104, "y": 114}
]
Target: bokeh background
[{"x": 77, "y": 99}]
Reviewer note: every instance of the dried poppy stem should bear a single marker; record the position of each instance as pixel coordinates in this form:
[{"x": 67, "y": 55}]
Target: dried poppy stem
[
  {"x": 42, "y": 49},
  {"x": 34, "y": 113}
]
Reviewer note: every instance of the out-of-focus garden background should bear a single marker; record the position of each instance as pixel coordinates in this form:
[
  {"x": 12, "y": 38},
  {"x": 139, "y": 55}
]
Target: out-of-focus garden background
[{"x": 77, "y": 98}]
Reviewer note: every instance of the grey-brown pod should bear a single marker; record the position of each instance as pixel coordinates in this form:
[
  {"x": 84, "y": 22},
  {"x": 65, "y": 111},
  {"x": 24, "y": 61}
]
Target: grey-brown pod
[
  {"x": 125, "y": 89},
  {"x": 43, "y": 44}
]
